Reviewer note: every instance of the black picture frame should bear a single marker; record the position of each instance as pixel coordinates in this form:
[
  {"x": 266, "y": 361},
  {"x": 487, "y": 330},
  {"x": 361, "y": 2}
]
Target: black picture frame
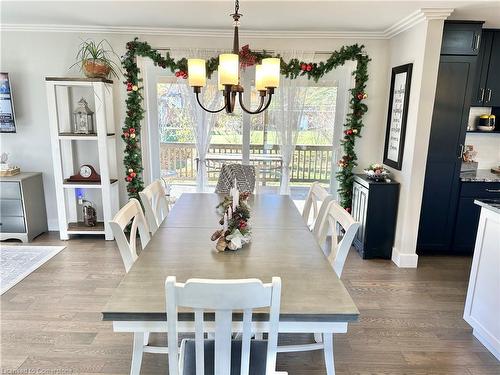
[
  {"x": 397, "y": 115},
  {"x": 7, "y": 114}
]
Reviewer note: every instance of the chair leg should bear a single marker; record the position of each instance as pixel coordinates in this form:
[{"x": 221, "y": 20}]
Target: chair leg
[
  {"x": 328, "y": 353},
  {"x": 146, "y": 338},
  {"x": 135, "y": 368},
  {"x": 318, "y": 337}
]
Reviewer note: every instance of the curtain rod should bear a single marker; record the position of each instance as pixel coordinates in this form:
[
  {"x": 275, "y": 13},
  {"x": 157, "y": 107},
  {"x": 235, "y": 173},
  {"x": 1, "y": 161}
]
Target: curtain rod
[{"x": 218, "y": 50}]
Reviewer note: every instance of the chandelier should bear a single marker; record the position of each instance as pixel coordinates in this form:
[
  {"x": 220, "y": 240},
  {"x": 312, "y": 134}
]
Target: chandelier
[{"x": 267, "y": 76}]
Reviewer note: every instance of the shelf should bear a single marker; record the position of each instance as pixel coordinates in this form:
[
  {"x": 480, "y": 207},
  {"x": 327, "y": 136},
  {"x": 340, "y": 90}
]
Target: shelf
[
  {"x": 77, "y": 79},
  {"x": 81, "y": 228},
  {"x": 484, "y": 132},
  {"x": 87, "y": 185},
  {"x": 83, "y": 137}
]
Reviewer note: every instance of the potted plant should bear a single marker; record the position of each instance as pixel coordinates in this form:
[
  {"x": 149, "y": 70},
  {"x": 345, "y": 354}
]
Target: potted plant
[{"x": 96, "y": 59}]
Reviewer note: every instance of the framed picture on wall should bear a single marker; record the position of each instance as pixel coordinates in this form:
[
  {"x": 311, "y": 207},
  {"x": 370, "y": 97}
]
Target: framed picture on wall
[
  {"x": 7, "y": 119},
  {"x": 397, "y": 115}
]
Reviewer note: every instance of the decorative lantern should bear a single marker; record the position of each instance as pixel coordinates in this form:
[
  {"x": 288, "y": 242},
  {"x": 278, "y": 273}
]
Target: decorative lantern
[{"x": 83, "y": 118}]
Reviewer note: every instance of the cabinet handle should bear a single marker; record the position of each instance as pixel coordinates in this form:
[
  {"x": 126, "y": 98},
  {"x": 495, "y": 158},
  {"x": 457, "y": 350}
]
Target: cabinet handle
[
  {"x": 493, "y": 190},
  {"x": 489, "y": 95},
  {"x": 476, "y": 44},
  {"x": 462, "y": 149},
  {"x": 481, "y": 96}
]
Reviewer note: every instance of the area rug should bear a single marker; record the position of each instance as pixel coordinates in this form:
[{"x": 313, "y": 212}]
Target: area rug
[{"x": 18, "y": 261}]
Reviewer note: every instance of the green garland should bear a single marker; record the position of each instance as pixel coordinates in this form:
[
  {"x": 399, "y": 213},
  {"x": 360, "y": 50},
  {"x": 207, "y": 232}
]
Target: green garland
[{"x": 291, "y": 69}]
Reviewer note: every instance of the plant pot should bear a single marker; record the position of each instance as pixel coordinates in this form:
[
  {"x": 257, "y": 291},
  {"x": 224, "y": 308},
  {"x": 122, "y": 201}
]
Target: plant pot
[{"x": 95, "y": 68}]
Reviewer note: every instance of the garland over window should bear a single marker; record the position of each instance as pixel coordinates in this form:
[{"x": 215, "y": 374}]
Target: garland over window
[{"x": 290, "y": 69}]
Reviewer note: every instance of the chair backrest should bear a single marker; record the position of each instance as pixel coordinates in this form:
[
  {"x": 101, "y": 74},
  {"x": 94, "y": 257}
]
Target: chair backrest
[
  {"x": 223, "y": 297},
  {"x": 317, "y": 194},
  {"x": 337, "y": 218},
  {"x": 245, "y": 176},
  {"x": 155, "y": 204},
  {"x": 130, "y": 213}
]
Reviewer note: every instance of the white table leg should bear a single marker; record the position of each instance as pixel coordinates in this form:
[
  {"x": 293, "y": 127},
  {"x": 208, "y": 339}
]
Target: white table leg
[
  {"x": 328, "y": 353},
  {"x": 135, "y": 367}
]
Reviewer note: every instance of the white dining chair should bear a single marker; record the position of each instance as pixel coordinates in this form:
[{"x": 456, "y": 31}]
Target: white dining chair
[
  {"x": 223, "y": 355},
  {"x": 317, "y": 196},
  {"x": 245, "y": 176},
  {"x": 155, "y": 203},
  {"x": 335, "y": 218},
  {"x": 132, "y": 214}
]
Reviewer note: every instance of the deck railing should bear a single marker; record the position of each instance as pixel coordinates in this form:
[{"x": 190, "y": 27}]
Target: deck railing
[{"x": 310, "y": 163}]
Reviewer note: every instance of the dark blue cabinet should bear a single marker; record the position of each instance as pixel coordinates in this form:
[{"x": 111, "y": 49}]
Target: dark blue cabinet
[
  {"x": 468, "y": 213},
  {"x": 486, "y": 90},
  {"x": 447, "y": 138},
  {"x": 461, "y": 38},
  {"x": 375, "y": 206}
]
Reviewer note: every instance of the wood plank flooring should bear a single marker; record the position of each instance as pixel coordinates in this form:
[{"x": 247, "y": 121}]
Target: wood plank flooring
[{"x": 411, "y": 320}]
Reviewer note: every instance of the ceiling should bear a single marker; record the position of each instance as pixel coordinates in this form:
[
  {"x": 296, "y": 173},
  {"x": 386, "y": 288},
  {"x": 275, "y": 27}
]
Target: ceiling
[{"x": 296, "y": 16}]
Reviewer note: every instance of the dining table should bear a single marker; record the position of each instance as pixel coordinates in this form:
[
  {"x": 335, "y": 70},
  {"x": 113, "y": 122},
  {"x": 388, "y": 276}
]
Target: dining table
[{"x": 313, "y": 299}]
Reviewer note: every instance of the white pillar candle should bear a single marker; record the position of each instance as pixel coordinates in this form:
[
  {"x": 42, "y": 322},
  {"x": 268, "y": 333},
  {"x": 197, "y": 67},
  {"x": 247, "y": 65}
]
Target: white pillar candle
[
  {"x": 236, "y": 195},
  {"x": 224, "y": 226}
]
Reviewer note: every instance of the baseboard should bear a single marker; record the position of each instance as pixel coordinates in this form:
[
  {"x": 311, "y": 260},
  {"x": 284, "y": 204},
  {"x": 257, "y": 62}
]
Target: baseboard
[{"x": 404, "y": 260}]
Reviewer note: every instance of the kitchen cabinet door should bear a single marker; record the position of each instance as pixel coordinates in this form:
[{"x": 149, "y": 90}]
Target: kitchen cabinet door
[
  {"x": 483, "y": 61},
  {"x": 492, "y": 93},
  {"x": 461, "y": 38},
  {"x": 449, "y": 123}
]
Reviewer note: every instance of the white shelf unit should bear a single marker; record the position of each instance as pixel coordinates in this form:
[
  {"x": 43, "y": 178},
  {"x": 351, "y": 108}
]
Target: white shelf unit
[{"x": 68, "y": 148}]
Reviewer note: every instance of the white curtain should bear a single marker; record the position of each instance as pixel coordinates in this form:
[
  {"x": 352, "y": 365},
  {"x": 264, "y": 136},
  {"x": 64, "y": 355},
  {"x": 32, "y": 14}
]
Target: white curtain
[
  {"x": 286, "y": 113},
  {"x": 202, "y": 122}
]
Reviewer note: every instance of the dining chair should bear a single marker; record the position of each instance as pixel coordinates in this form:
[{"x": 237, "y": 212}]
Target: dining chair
[
  {"x": 245, "y": 175},
  {"x": 336, "y": 219},
  {"x": 317, "y": 195},
  {"x": 155, "y": 204},
  {"x": 132, "y": 214},
  {"x": 223, "y": 355}
]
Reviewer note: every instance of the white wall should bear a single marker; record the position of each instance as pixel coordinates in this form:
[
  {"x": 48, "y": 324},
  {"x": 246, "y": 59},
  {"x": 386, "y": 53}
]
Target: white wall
[
  {"x": 421, "y": 46},
  {"x": 31, "y": 56}
]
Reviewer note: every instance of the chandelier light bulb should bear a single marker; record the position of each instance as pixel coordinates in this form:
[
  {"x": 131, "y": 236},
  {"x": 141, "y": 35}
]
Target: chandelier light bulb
[
  {"x": 229, "y": 66},
  {"x": 259, "y": 78},
  {"x": 271, "y": 72},
  {"x": 197, "y": 74}
]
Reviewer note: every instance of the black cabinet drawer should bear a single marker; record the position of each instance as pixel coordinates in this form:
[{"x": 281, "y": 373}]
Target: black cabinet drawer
[
  {"x": 480, "y": 190},
  {"x": 461, "y": 38}
]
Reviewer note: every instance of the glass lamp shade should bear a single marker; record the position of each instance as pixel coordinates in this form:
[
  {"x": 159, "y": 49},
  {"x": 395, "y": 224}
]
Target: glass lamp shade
[
  {"x": 197, "y": 74},
  {"x": 83, "y": 118},
  {"x": 229, "y": 67},
  {"x": 271, "y": 72},
  {"x": 259, "y": 78}
]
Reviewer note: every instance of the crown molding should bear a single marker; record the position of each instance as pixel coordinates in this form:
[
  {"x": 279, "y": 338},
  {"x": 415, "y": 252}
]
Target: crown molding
[
  {"x": 415, "y": 18},
  {"x": 400, "y": 26},
  {"x": 184, "y": 32}
]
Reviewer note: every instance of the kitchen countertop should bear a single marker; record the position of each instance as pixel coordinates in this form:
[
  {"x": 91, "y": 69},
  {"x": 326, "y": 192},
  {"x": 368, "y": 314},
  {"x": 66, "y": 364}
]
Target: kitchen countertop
[
  {"x": 480, "y": 175},
  {"x": 490, "y": 204}
]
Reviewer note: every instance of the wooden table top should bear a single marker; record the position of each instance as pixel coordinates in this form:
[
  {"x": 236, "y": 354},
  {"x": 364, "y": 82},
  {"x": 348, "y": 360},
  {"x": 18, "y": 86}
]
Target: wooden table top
[{"x": 311, "y": 291}]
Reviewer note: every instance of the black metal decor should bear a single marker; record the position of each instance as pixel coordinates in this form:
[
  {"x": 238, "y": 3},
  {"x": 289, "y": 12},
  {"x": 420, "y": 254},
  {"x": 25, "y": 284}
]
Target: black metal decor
[{"x": 397, "y": 116}]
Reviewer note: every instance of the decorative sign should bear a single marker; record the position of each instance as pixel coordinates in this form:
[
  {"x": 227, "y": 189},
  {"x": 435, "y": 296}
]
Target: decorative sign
[
  {"x": 397, "y": 115},
  {"x": 7, "y": 121}
]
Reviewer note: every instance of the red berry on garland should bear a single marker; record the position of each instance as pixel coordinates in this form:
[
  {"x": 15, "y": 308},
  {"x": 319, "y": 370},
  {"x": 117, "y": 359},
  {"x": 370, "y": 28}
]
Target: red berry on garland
[
  {"x": 184, "y": 75},
  {"x": 242, "y": 224},
  {"x": 309, "y": 67},
  {"x": 129, "y": 86},
  {"x": 178, "y": 73},
  {"x": 361, "y": 96},
  {"x": 128, "y": 179},
  {"x": 303, "y": 66},
  {"x": 131, "y": 130},
  {"x": 348, "y": 131},
  {"x": 126, "y": 134},
  {"x": 348, "y": 209},
  {"x": 133, "y": 174}
]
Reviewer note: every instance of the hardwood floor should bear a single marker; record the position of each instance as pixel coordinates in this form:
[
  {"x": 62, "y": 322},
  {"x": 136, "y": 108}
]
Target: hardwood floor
[{"x": 411, "y": 319}]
